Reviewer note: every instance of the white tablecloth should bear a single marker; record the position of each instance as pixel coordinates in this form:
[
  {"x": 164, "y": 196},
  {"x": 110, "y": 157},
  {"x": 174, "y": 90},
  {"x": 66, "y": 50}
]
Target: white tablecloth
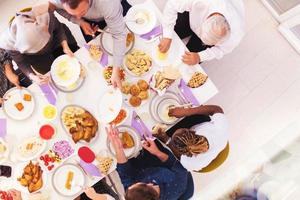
[{"x": 88, "y": 96}]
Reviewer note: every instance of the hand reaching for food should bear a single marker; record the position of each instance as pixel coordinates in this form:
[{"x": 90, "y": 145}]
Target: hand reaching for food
[
  {"x": 178, "y": 112},
  {"x": 113, "y": 136},
  {"x": 115, "y": 78},
  {"x": 164, "y": 45},
  {"x": 191, "y": 58},
  {"x": 16, "y": 195}
]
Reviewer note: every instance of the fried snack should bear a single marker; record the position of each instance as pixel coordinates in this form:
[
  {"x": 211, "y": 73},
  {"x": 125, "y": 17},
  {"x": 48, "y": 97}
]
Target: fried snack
[
  {"x": 135, "y": 101},
  {"x": 32, "y": 177},
  {"x": 161, "y": 82},
  {"x": 134, "y": 90},
  {"x": 19, "y": 106},
  {"x": 80, "y": 123},
  {"x": 125, "y": 88},
  {"x": 95, "y": 52},
  {"x": 121, "y": 116},
  {"x": 127, "y": 140},
  {"x": 68, "y": 184},
  {"x": 129, "y": 39},
  {"x": 197, "y": 80},
  {"x": 104, "y": 164},
  {"x": 143, "y": 85},
  {"x": 143, "y": 95},
  {"x": 138, "y": 62},
  {"x": 107, "y": 72},
  {"x": 27, "y": 97}
]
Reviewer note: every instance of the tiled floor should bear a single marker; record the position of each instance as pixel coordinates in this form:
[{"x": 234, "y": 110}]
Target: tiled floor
[{"x": 259, "y": 84}]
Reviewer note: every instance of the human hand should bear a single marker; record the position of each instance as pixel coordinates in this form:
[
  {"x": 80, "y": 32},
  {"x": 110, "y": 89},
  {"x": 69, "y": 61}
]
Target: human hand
[
  {"x": 39, "y": 79},
  {"x": 115, "y": 78},
  {"x": 178, "y": 112},
  {"x": 191, "y": 58},
  {"x": 113, "y": 136},
  {"x": 87, "y": 28},
  {"x": 16, "y": 195},
  {"x": 150, "y": 146},
  {"x": 67, "y": 49},
  {"x": 164, "y": 45},
  {"x": 90, "y": 192}
]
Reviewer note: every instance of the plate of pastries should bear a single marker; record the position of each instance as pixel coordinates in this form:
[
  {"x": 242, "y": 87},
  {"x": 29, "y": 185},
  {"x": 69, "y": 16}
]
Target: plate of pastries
[
  {"x": 136, "y": 93},
  {"x": 79, "y": 123},
  {"x": 197, "y": 80},
  {"x": 137, "y": 63}
]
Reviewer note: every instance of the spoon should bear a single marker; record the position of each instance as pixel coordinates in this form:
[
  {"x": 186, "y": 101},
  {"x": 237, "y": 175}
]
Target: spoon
[{"x": 137, "y": 20}]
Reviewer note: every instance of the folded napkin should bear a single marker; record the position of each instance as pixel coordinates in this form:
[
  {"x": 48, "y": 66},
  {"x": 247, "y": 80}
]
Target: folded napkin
[
  {"x": 140, "y": 126},
  {"x": 90, "y": 168},
  {"x": 3, "y": 127},
  {"x": 187, "y": 93},
  {"x": 50, "y": 93},
  {"x": 104, "y": 58},
  {"x": 153, "y": 33}
]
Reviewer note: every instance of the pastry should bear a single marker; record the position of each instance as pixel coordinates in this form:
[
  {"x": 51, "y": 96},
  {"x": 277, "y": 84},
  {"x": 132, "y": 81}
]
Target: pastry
[
  {"x": 134, "y": 90},
  {"x": 68, "y": 184},
  {"x": 127, "y": 140},
  {"x": 143, "y": 85},
  {"x": 138, "y": 62},
  {"x": 95, "y": 52},
  {"x": 104, "y": 164},
  {"x": 27, "y": 97},
  {"x": 135, "y": 101},
  {"x": 19, "y": 106},
  {"x": 197, "y": 80},
  {"x": 143, "y": 95},
  {"x": 125, "y": 88}
]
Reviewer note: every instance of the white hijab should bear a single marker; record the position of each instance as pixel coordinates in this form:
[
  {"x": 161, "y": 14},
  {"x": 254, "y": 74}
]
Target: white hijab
[{"x": 28, "y": 32}]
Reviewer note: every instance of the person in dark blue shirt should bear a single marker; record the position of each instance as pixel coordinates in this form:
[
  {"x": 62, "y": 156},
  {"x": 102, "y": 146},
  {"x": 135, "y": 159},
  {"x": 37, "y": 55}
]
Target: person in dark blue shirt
[{"x": 154, "y": 175}]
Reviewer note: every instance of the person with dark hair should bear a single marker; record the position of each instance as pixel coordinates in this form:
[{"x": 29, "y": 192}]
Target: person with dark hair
[
  {"x": 8, "y": 76},
  {"x": 198, "y": 138},
  {"x": 34, "y": 39},
  {"x": 91, "y": 15},
  {"x": 153, "y": 175}
]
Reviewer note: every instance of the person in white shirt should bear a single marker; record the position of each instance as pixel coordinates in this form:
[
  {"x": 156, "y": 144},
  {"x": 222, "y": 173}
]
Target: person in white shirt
[
  {"x": 93, "y": 14},
  {"x": 216, "y": 27},
  {"x": 199, "y": 137}
]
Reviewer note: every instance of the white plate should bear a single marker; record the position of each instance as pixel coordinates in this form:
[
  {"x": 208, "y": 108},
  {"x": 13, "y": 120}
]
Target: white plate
[
  {"x": 140, "y": 11},
  {"x": 71, "y": 66},
  {"x": 173, "y": 56},
  {"x": 14, "y": 96},
  {"x": 18, "y": 171},
  {"x": 133, "y": 74},
  {"x": 59, "y": 179},
  {"x": 4, "y": 156},
  {"x": 110, "y": 105},
  {"x": 163, "y": 110},
  {"x": 130, "y": 152},
  {"x": 22, "y": 156},
  {"x": 107, "y": 43}
]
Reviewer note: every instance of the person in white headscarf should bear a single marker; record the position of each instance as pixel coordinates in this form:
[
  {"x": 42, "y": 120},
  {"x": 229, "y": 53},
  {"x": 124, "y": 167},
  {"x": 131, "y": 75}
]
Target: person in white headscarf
[
  {"x": 34, "y": 39},
  {"x": 215, "y": 27}
]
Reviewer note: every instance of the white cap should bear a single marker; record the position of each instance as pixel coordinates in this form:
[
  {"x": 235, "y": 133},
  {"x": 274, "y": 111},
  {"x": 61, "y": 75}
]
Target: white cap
[{"x": 214, "y": 30}]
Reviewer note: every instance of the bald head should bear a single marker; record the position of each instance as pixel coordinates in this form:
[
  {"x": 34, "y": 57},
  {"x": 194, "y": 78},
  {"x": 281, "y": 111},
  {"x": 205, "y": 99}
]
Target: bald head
[{"x": 215, "y": 29}]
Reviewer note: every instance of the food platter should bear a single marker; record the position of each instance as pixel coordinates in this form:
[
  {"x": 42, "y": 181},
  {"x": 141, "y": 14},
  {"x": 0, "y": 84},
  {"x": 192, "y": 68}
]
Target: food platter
[
  {"x": 132, "y": 136},
  {"x": 137, "y": 63},
  {"x": 68, "y": 180},
  {"x": 106, "y": 40},
  {"x": 19, "y": 104},
  {"x": 30, "y": 148},
  {"x": 79, "y": 124},
  {"x": 107, "y": 73},
  {"x": 109, "y": 105},
  {"x": 137, "y": 93},
  {"x": 22, "y": 175},
  {"x": 159, "y": 102},
  {"x": 140, "y": 12}
]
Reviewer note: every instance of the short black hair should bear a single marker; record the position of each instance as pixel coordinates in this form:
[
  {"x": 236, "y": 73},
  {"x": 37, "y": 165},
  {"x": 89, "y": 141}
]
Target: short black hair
[
  {"x": 142, "y": 192},
  {"x": 73, "y": 4}
]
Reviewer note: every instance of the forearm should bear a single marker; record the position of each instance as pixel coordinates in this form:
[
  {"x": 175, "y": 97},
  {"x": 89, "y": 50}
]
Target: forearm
[
  {"x": 120, "y": 155},
  {"x": 204, "y": 110},
  {"x": 163, "y": 157}
]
